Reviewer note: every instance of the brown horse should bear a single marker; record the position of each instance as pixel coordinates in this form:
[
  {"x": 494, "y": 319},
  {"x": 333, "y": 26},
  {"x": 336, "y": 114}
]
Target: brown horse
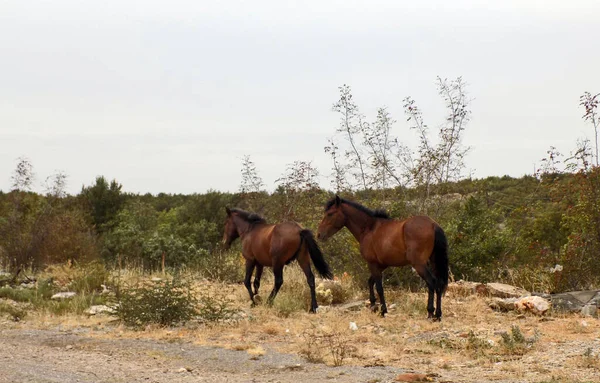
[
  {"x": 418, "y": 241},
  {"x": 274, "y": 246}
]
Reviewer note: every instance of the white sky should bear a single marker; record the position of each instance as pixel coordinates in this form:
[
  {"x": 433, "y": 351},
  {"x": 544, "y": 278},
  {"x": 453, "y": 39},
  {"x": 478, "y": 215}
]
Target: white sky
[{"x": 168, "y": 96}]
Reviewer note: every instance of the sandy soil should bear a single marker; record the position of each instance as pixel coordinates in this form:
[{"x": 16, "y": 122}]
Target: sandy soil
[{"x": 265, "y": 346}]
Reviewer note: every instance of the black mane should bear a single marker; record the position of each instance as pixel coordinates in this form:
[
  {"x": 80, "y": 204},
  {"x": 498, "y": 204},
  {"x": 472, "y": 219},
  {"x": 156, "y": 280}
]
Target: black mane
[
  {"x": 377, "y": 213},
  {"x": 248, "y": 216}
]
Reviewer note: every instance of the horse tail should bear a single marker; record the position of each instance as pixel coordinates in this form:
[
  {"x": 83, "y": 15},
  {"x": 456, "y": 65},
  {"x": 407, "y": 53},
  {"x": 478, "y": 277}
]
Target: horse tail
[
  {"x": 315, "y": 254},
  {"x": 440, "y": 259}
]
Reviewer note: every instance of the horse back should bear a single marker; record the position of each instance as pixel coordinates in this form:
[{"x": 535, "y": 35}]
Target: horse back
[
  {"x": 267, "y": 242},
  {"x": 398, "y": 243}
]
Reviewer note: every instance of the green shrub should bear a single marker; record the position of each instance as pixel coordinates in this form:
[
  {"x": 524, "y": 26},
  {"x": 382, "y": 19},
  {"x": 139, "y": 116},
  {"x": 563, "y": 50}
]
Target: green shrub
[
  {"x": 162, "y": 302},
  {"x": 515, "y": 343},
  {"x": 214, "y": 308},
  {"x": 15, "y": 313},
  {"x": 89, "y": 278},
  {"x": 223, "y": 266}
]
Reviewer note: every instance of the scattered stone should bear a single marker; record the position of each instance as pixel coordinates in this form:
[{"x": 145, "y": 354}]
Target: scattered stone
[
  {"x": 323, "y": 308},
  {"x": 105, "y": 290},
  {"x": 589, "y": 311},
  {"x": 353, "y": 306},
  {"x": 99, "y": 309},
  {"x": 156, "y": 279},
  {"x": 28, "y": 285},
  {"x": 574, "y": 301},
  {"x": 69, "y": 347},
  {"x": 464, "y": 288},
  {"x": 533, "y": 304},
  {"x": 502, "y": 290},
  {"x": 353, "y": 326},
  {"x": 500, "y": 304},
  {"x": 411, "y": 377},
  {"x": 292, "y": 367},
  {"x": 182, "y": 369},
  {"x": 63, "y": 295}
]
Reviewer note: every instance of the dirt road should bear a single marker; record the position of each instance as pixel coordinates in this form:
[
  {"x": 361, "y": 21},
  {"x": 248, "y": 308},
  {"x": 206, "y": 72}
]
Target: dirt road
[{"x": 40, "y": 356}]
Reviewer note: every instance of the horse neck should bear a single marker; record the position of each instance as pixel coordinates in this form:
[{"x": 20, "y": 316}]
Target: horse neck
[
  {"x": 243, "y": 227},
  {"x": 358, "y": 222}
]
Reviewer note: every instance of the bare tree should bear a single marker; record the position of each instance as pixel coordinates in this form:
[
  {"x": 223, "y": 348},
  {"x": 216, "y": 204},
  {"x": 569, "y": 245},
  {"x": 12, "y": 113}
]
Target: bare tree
[
  {"x": 251, "y": 181},
  {"x": 590, "y": 104},
  {"x": 338, "y": 180},
  {"x": 23, "y": 176},
  {"x": 299, "y": 179},
  {"x": 451, "y": 152},
  {"x": 351, "y": 125},
  {"x": 380, "y": 148},
  {"x": 251, "y": 185}
]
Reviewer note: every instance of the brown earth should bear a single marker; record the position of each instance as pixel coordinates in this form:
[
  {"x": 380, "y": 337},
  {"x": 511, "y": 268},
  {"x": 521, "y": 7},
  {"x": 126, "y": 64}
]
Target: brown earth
[{"x": 266, "y": 346}]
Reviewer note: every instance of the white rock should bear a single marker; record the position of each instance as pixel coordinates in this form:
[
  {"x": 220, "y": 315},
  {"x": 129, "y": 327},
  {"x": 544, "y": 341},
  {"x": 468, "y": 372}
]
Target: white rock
[
  {"x": 353, "y": 326},
  {"x": 502, "y": 290},
  {"x": 534, "y": 304},
  {"x": 589, "y": 311},
  {"x": 99, "y": 309},
  {"x": 63, "y": 295}
]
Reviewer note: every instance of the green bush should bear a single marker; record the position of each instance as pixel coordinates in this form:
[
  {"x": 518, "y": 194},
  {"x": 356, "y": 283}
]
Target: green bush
[
  {"x": 214, "y": 308},
  {"x": 515, "y": 343},
  {"x": 89, "y": 278},
  {"x": 162, "y": 302},
  {"x": 14, "y": 312}
]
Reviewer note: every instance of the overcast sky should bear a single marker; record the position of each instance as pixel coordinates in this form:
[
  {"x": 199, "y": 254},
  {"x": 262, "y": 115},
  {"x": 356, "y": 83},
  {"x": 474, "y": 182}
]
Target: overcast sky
[{"x": 168, "y": 96}]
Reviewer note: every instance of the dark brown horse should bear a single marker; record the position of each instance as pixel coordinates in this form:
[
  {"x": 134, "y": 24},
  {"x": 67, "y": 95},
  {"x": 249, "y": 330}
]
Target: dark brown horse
[
  {"x": 274, "y": 246},
  {"x": 418, "y": 241}
]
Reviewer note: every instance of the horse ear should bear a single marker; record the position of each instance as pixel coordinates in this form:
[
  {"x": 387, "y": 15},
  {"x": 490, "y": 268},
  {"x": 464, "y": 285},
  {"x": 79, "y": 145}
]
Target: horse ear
[
  {"x": 228, "y": 211},
  {"x": 338, "y": 200}
]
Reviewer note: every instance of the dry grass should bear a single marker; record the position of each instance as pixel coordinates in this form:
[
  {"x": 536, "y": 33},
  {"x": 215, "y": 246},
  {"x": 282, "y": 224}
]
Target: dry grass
[{"x": 466, "y": 346}]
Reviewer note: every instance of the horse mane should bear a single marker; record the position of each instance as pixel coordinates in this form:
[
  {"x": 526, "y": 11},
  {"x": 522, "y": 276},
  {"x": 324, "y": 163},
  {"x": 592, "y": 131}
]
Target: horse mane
[
  {"x": 249, "y": 217},
  {"x": 377, "y": 213}
]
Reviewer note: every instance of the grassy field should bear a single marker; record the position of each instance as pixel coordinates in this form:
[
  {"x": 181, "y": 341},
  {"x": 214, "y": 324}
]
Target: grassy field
[{"x": 471, "y": 344}]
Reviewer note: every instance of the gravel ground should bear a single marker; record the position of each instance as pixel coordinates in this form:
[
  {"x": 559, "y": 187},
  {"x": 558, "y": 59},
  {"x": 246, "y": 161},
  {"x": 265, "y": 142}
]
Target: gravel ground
[{"x": 38, "y": 356}]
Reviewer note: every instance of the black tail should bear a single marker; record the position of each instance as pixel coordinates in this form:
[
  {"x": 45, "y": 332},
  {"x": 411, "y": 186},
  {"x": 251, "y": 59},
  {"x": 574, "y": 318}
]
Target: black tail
[
  {"x": 440, "y": 258},
  {"x": 315, "y": 254}
]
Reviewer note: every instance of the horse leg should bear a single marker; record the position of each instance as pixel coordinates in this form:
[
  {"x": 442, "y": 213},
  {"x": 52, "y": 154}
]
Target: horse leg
[
  {"x": 278, "y": 273},
  {"x": 428, "y": 277},
  {"x": 304, "y": 262},
  {"x": 438, "y": 308},
  {"x": 257, "y": 276},
  {"x": 372, "y": 292},
  {"x": 377, "y": 275},
  {"x": 250, "y": 264}
]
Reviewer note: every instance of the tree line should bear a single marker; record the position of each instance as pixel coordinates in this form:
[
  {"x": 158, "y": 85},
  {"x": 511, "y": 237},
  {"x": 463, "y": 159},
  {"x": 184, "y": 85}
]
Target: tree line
[{"x": 540, "y": 231}]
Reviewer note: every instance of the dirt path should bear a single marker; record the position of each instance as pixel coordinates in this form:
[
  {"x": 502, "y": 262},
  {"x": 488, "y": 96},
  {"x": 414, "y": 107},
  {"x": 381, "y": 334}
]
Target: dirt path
[{"x": 72, "y": 356}]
